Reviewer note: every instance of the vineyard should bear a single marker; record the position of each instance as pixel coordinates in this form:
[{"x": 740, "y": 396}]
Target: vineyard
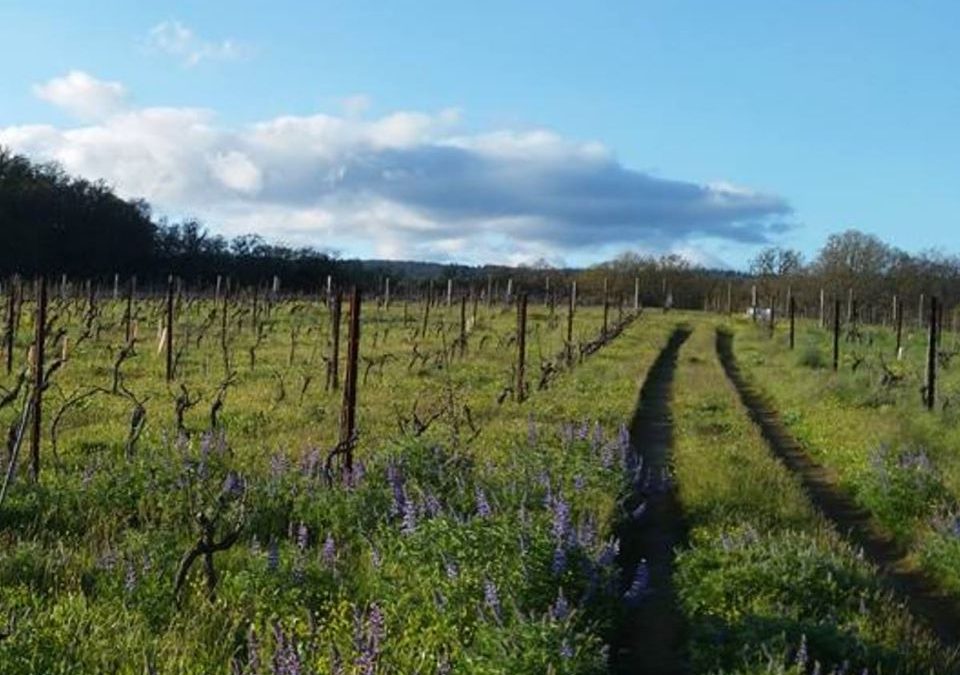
[{"x": 202, "y": 480}]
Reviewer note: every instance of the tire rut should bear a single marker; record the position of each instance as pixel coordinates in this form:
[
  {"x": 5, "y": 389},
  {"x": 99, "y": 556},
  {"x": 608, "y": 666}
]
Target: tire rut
[
  {"x": 652, "y": 636},
  {"x": 939, "y": 612}
]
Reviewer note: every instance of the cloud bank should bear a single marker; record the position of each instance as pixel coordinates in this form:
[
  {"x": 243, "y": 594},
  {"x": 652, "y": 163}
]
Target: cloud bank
[{"x": 407, "y": 184}]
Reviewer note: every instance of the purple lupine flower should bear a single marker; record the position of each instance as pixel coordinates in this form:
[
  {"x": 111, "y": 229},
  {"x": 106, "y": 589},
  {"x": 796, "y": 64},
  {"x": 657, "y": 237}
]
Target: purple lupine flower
[
  {"x": 560, "y": 609},
  {"x": 376, "y": 630},
  {"x": 329, "y": 553},
  {"x": 579, "y": 482},
  {"x": 359, "y": 471},
  {"x": 559, "y": 563},
  {"x": 597, "y": 436},
  {"x": 583, "y": 431},
  {"x": 253, "y": 652},
  {"x": 233, "y": 485},
  {"x": 273, "y": 555},
  {"x": 609, "y": 552},
  {"x": 286, "y": 659},
  {"x": 310, "y": 463},
  {"x": 623, "y": 437},
  {"x": 560, "y": 510},
  {"x": 587, "y": 533},
  {"x": 303, "y": 537},
  {"x": 395, "y": 478},
  {"x": 491, "y": 598},
  {"x": 409, "y": 524},
  {"x": 606, "y": 457},
  {"x": 566, "y": 651},
  {"x": 640, "y": 586},
  {"x": 483, "y": 506},
  {"x": 432, "y": 506}
]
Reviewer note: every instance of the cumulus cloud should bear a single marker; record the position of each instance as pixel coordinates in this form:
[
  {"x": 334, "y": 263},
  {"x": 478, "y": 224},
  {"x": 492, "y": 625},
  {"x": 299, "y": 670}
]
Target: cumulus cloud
[
  {"x": 83, "y": 95},
  {"x": 177, "y": 40},
  {"x": 407, "y": 184}
]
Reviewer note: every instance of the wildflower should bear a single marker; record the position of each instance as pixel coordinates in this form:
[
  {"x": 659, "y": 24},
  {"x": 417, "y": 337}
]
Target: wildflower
[
  {"x": 483, "y": 506},
  {"x": 640, "y": 585},
  {"x": 303, "y": 537},
  {"x": 375, "y": 558},
  {"x": 286, "y": 659},
  {"x": 329, "y": 553},
  {"x": 451, "y": 569},
  {"x": 597, "y": 436},
  {"x": 491, "y": 598},
  {"x": 233, "y": 485},
  {"x": 566, "y": 651},
  {"x": 559, "y": 563},
  {"x": 253, "y": 651},
  {"x": 609, "y": 552},
  {"x": 579, "y": 483},
  {"x": 561, "y": 519},
  {"x": 560, "y": 609},
  {"x": 409, "y": 525}
]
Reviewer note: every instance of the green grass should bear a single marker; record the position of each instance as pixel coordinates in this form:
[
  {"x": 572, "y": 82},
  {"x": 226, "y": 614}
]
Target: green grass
[
  {"x": 764, "y": 574},
  {"x": 89, "y": 553},
  {"x": 896, "y": 458}
]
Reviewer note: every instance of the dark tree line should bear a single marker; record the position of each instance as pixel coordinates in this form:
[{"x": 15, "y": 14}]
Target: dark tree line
[{"x": 53, "y": 223}]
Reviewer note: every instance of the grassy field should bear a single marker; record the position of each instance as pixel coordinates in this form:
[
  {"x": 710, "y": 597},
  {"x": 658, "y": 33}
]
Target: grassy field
[{"x": 475, "y": 533}]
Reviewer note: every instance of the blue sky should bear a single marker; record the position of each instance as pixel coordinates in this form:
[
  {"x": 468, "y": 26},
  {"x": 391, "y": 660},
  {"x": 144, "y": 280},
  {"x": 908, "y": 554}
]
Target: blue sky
[{"x": 504, "y": 131}]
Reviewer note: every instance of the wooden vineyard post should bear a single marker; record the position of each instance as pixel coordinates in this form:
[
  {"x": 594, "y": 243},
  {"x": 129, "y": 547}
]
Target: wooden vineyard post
[
  {"x": 836, "y": 334},
  {"x": 931, "y": 383},
  {"x": 509, "y": 290},
  {"x": 426, "y": 312},
  {"x": 920, "y": 312},
  {"x": 546, "y": 291},
  {"x": 9, "y": 334},
  {"x": 489, "y": 289},
  {"x": 473, "y": 297},
  {"x": 850, "y": 305},
  {"x": 386, "y": 294},
  {"x": 792, "y": 308},
  {"x": 335, "y": 340},
  {"x": 463, "y": 325},
  {"x": 753, "y": 302},
  {"x": 169, "y": 332},
  {"x": 521, "y": 346},
  {"x": 449, "y": 292},
  {"x": 348, "y": 413},
  {"x": 224, "y": 312},
  {"x": 606, "y": 307},
  {"x": 128, "y": 312},
  {"x": 116, "y": 286},
  {"x": 570, "y": 312},
  {"x": 773, "y": 314},
  {"x": 636, "y": 294},
  {"x": 899, "y": 313},
  {"x": 36, "y": 403}
]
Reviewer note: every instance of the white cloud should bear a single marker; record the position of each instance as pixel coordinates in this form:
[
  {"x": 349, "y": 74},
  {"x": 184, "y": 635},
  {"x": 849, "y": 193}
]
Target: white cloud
[
  {"x": 177, "y": 40},
  {"x": 83, "y": 95},
  {"x": 406, "y": 184}
]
